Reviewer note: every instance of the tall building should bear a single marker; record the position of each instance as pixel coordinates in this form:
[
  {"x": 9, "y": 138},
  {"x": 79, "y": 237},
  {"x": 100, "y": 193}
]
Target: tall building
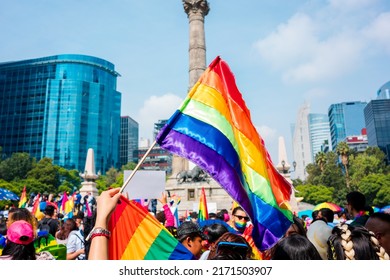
[
  {"x": 59, "y": 107},
  {"x": 301, "y": 142},
  {"x": 377, "y": 118},
  {"x": 319, "y": 132},
  {"x": 345, "y": 119},
  {"x": 384, "y": 92},
  {"x": 129, "y": 140}
]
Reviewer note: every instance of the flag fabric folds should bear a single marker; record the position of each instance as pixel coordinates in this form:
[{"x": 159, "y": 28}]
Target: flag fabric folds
[
  {"x": 137, "y": 235},
  {"x": 35, "y": 208},
  {"x": 23, "y": 199},
  {"x": 213, "y": 129},
  {"x": 203, "y": 214}
]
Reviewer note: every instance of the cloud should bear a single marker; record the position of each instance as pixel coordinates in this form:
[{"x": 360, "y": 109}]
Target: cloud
[
  {"x": 378, "y": 31},
  {"x": 156, "y": 108},
  {"x": 267, "y": 133},
  {"x": 328, "y": 44}
]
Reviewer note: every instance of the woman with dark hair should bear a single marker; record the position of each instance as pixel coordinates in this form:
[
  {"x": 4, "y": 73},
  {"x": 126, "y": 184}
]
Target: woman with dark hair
[
  {"x": 297, "y": 227},
  {"x": 295, "y": 247},
  {"x": 213, "y": 232},
  {"x": 348, "y": 242},
  {"x": 22, "y": 214},
  {"x": 75, "y": 248},
  {"x": 230, "y": 246}
]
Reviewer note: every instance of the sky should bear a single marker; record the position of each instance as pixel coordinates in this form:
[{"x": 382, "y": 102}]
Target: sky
[{"x": 283, "y": 53}]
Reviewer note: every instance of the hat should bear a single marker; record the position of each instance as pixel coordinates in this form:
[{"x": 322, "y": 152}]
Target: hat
[
  {"x": 20, "y": 232},
  {"x": 187, "y": 228}
]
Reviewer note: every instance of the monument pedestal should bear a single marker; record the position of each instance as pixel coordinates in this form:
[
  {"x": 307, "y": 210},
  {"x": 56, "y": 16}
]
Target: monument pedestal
[{"x": 88, "y": 187}]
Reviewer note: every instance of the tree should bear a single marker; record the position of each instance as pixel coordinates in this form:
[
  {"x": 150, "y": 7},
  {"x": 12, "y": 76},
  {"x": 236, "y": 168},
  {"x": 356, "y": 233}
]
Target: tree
[
  {"x": 16, "y": 167},
  {"x": 374, "y": 187},
  {"x": 46, "y": 173},
  {"x": 320, "y": 159},
  {"x": 315, "y": 194},
  {"x": 343, "y": 151}
]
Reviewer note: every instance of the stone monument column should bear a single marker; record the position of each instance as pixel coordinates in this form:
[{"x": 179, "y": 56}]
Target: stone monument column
[
  {"x": 196, "y": 10},
  {"x": 89, "y": 176}
]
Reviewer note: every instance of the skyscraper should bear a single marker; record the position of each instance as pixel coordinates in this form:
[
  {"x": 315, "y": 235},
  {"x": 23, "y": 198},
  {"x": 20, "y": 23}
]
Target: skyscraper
[
  {"x": 345, "y": 119},
  {"x": 318, "y": 131},
  {"x": 129, "y": 140},
  {"x": 59, "y": 107},
  {"x": 377, "y": 119},
  {"x": 301, "y": 142}
]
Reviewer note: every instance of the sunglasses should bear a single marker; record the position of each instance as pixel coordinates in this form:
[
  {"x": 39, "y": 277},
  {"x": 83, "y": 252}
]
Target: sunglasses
[{"x": 242, "y": 217}]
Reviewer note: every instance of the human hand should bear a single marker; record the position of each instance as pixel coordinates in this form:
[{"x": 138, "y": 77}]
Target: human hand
[
  {"x": 163, "y": 198},
  {"x": 106, "y": 203}
]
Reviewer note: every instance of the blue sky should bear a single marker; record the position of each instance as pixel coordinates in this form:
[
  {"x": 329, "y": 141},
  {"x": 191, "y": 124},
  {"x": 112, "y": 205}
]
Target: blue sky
[{"x": 283, "y": 53}]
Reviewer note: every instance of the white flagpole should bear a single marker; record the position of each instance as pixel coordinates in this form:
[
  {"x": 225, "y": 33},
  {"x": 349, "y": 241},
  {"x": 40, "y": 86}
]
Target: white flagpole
[{"x": 138, "y": 166}]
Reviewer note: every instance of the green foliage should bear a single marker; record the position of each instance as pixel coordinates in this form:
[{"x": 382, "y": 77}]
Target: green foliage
[
  {"x": 46, "y": 173},
  {"x": 376, "y": 188},
  {"x": 315, "y": 194},
  {"x": 16, "y": 167},
  {"x": 128, "y": 166}
]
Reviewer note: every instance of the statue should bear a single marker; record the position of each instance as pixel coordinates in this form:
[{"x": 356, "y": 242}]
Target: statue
[{"x": 196, "y": 174}]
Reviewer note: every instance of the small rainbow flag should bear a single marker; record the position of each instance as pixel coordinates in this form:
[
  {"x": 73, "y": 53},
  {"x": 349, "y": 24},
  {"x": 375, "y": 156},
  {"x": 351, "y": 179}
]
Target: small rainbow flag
[
  {"x": 203, "y": 214},
  {"x": 213, "y": 129},
  {"x": 35, "y": 208},
  {"x": 23, "y": 198},
  {"x": 137, "y": 235}
]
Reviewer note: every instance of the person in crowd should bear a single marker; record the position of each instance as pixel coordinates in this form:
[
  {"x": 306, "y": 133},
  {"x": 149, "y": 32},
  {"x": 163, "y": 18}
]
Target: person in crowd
[
  {"x": 314, "y": 214},
  {"x": 191, "y": 236},
  {"x": 20, "y": 243},
  {"x": 17, "y": 214},
  {"x": 297, "y": 227},
  {"x": 379, "y": 224},
  {"x": 230, "y": 246},
  {"x": 212, "y": 216},
  {"x": 356, "y": 206},
  {"x": 319, "y": 231},
  {"x": 167, "y": 218},
  {"x": 62, "y": 234},
  {"x": 75, "y": 244},
  {"x": 77, "y": 202},
  {"x": 99, "y": 235},
  {"x": 79, "y": 218},
  {"x": 223, "y": 215},
  {"x": 239, "y": 219},
  {"x": 50, "y": 219},
  {"x": 213, "y": 232},
  {"x": 294, "y": 247},
  {"x": 349, "y": 242}
]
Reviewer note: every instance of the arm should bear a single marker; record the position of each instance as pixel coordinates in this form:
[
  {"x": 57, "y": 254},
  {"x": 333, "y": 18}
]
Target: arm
[
  {"x": 106, "y": 204},
  {"x": 169, "y": 219}
]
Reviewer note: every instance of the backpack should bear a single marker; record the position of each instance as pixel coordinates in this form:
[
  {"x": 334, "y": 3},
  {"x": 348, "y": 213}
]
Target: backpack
[{"x": 44, "y": 225}]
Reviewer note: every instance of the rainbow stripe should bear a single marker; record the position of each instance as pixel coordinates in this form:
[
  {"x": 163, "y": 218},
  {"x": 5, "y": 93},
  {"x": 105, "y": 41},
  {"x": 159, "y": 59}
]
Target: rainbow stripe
[
  {"x": 23, "y": 199},
  {"x": 203, "y": 214},
  {"x": 213, "y": 129},
  {"x": 137, "y": 235}
]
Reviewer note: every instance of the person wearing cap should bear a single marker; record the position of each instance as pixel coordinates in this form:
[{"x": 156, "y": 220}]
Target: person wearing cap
[
  {"x": 20, "y": 243},
  {"x": 191, "y": 236}
]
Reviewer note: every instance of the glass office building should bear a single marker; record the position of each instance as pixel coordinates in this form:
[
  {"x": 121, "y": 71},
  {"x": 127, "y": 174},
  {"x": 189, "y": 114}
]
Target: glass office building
[
  {"x": 319, "y": 132},
  {"x": 377, "y": 116},
  {"x": 129, "y": 140},
  {"x": 345, "y": 119},
  {"x": 59, "y": 107}
]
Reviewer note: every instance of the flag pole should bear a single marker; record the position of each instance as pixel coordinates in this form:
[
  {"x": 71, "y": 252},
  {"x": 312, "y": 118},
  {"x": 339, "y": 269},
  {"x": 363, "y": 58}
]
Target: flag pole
[{"x": 138, "y": 166}]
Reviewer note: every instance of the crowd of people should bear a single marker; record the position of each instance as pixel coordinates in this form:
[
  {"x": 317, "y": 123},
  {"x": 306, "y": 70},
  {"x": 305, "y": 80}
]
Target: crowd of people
[{"x": 361, "y": 235}]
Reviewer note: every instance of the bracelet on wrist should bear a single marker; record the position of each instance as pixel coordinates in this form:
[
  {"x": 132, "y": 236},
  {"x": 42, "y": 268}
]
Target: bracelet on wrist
[{"x": 98, "y": 232}]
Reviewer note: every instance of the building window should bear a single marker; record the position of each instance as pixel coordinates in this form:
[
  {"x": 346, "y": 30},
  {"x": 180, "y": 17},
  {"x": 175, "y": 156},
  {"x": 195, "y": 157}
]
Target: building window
[{"x": 191, "y": 194}]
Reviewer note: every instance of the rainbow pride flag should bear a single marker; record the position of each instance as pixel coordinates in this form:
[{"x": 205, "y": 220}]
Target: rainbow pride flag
[
  {"x": 35, "y": 208},
  {"x": 23, "y": 198},
  {"x": 137, "y": 235},
  {"x": 203, "y": 214},
  {"x": 213, "y": 129}
]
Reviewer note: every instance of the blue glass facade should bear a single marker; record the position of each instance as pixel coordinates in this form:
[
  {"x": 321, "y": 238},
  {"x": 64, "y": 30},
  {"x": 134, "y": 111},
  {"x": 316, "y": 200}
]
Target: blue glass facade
[
  {"x": 59, "y": 107},
  {"x": 319, "y": 132},
  {"x": 345, "y": 119},
  {"x": 377, "y": 116},
  {"x": 129, "y": 140}
]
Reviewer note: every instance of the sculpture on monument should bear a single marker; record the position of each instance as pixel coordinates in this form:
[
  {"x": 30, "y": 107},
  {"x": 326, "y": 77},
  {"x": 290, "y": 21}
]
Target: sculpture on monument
[{"x": 196, "y": 174}]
